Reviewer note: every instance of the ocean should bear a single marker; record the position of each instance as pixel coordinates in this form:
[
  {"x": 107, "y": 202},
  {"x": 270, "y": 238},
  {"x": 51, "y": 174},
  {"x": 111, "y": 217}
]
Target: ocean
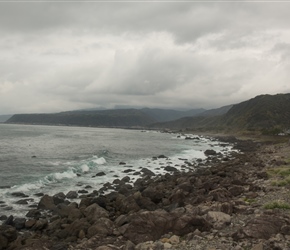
[{"x": 52, "y": 159}]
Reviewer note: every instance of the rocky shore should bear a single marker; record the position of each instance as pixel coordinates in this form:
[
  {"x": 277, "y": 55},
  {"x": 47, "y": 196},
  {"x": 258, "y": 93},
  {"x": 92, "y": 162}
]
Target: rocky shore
[{"x": 234, "y": 204}]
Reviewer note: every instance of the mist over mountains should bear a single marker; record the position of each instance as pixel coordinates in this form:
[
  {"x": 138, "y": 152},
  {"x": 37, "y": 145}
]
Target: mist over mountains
[{"x": 264, "y": 113}]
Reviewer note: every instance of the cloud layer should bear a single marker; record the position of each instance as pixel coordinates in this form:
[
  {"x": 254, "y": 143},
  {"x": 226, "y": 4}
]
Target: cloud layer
[{"x": 59, "y": 56}]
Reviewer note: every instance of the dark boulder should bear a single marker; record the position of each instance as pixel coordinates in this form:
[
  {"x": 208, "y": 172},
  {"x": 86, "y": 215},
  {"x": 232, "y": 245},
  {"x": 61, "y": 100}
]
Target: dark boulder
[
  {"x": 34, "y": 213},
  {"x": 262, "y": 227},
  {"x": 19, "y": 194},
  {"x": 146, "y": 226},
  {"x": 72, "y": 195},
  {"x": 102, "y": 226},
  {"x": 210, "y": 152},
  {"x": 220, "y": 194},
  {"x": 19, "y": 223},
  {"x": 58, "y": 198},
  {"x": 170, "y": 169},
  {"x": 147, "y": 172},
  {"x": 162, "y": 157},
  {"x": 153, "y": 193},
  {"x": 100, "y": 174},
  {"x": 46, "y": 203}
]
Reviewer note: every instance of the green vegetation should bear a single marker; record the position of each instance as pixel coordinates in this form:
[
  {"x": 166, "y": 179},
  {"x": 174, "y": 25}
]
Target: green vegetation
[
  {"x": 249, "y": 200},
  {"x": 272, "y": 131},
  {"x": 266, "y": 114},
  {"x": 281, "y": 175},
  {"x": 277, "y": 204}
]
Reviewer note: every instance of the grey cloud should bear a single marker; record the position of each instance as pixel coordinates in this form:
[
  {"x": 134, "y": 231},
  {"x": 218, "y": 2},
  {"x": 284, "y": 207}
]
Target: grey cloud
[{"x": 60, "y": 55}]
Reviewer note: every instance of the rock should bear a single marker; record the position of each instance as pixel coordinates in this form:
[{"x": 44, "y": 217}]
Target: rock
[
  {"x": 39, "y": 194},
  {"x": 70, "y": 212},
  {"x": 9, "y": 221},
  {"x": 83, "y": 191},
  {"x": 34, "y": 213},
  {"x": 3, "y": 217},
  {"x": 19, "y": 194},
  {"x": 72, "y": 195},
  {"x": 102, "y": 226},
  {"x": 125, "y": 179},
  {"x": 30, "y": 223},
  {"x": 129, "y": 245},
  {"x": 46, "y": 203},
  {"x": 75, "y": 228},
  {"x": 285, "y": 229},
  {"x": 128, "y": 171},
  {"x": 40, "y": 224},
  {"x": 58, "y": 198},
  {"x": 23, "y": 201},
  {"x": 210, "y": 152},
  {"x": 122, "y": 163},
  {"x": 153, "y": 194},
  {"x": 236, "y": 190},
  {"x": 220, "y": 194},
  {"x": 126, "y": 205},
  {"x": 146, "y": 226},
  {"x": 7, "y": 235},
  {"x": 174, "y": 239},
  {"x": 189, "y": 222},
  {"x": 162, "y": 157},
  {"x": 258, "y": 247},
  {"x": 218, "y": 219},
  {"x": 19, "y": 223},
  {"x": 170, "y": 169},
  {"x": 147, "y": 172},
  {"x": 3, "y": 242},
  {"x": 94, "y": 212},
  {"x": 262, "y": 227},
  {"x": 100, "y": 174}
]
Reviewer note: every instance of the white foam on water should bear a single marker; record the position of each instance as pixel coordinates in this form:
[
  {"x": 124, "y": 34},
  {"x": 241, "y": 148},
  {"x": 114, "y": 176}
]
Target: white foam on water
[
  {"x": 85, "y": 168},
  {"x": 100, "y": 161},
  {"x": 82, "y": 173}
]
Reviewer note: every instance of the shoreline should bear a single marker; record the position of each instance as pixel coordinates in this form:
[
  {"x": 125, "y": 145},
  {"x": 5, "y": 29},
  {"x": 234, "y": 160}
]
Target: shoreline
[{"x": 179, "y": 211}]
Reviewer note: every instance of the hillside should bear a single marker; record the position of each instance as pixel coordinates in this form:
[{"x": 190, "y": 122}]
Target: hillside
[
  {"x": 261, "y": 112},
  {"x": 163, "y": 115},
  {"x": 104, "y": 118},
  {"x": 267, "y": 113}
]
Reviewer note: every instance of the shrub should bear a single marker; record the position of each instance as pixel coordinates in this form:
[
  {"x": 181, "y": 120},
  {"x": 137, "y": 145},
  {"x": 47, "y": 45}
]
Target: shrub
[{"x": 277, "y": 204}]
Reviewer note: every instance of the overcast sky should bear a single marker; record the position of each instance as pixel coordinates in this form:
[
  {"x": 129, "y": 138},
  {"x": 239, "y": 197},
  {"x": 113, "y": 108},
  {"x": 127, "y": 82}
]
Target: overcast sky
[{"x": 57, "y": 56}]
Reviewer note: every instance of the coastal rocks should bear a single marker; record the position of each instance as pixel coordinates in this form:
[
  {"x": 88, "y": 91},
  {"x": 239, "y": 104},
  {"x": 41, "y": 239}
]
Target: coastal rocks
[
  {"x": 7, "y": 235},
  {"x": 147, "y": 225},
  {"x": 100, "y": 174},
  {"x": 72, "y": 195},
  {"x": 46, "y": 203},
  {"x": 209, "y": 152},
  {"x": 150, "y": 225},
  {"x": 218, "y": 219},
  {"x": 170, "y": 169},
  {"x": 94, "y": 212},
  {"x": 262, "y": 227},
  {"x": 220, "y": 194},
  {"x": 101, "y": 226}
]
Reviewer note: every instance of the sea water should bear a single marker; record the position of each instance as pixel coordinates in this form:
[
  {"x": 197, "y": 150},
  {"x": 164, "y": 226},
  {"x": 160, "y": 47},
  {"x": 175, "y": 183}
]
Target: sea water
[{"x": 52, "y": 159}]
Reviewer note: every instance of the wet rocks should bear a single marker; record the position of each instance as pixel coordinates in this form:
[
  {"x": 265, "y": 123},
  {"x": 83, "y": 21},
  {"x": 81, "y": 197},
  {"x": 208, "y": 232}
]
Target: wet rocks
[
  {"x": 100, "y": 174},
  {"x": 46, "y": 203},
  {"x": 262, "y": 227},
  {"x": 210, "y": 152},
  {"x": 72, "y": 195}
]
